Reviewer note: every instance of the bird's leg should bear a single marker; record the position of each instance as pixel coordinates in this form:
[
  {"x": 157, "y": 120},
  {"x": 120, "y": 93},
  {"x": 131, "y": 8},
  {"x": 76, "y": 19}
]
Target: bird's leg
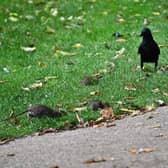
[
  {"x": 156, "y": 64},
  {"x": 141, "y": 64}
]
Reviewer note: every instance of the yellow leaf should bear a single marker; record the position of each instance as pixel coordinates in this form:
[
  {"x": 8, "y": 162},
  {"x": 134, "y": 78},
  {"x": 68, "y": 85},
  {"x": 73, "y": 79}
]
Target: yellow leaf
[
  {"x": 121, "y": 20},
  {"x": 41, "y": 64},
  {"x": 77, "y": 45},
  {"x": 121, "y": 40},
  {"x": 64, "y": 53},
  {"x": 28, "y": 49},
  {"x": 78, "y": 109},
  {"x": 94, "y": 93},
  {"x": 36, "y": 85}
]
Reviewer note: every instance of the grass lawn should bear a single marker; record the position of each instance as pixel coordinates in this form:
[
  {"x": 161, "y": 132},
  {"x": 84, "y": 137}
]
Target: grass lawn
[{"x": 48, "y": 47}]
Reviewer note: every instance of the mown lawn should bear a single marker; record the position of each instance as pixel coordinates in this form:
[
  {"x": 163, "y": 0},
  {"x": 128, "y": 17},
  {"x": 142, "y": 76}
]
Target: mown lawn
[{"x": 48, "y": 47}]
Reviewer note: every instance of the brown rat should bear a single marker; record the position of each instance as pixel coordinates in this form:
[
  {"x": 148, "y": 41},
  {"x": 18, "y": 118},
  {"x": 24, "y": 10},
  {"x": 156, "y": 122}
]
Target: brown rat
[
  {"x": 97, "y": 104},
  {"x": 38, "y": 111},
  {"x": 42, "y": 110}
]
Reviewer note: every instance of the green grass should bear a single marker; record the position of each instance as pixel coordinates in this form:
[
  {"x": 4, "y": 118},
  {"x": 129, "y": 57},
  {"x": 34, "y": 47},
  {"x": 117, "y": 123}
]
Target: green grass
[{"x": 92, "y": 25}]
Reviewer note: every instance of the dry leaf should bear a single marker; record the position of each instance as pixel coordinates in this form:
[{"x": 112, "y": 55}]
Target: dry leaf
[
  {"x": 164, "y": 93},
  {"x": 80, "y": 120},
  {"x": 10, "y": 154},
  {"x": 107, "y": 113},
  {"x": 6, "y": 141},
  {"x": 155, "y": 126},
  {"x": 64, "y": 53},
  {"x": 47, "y": 78},
  {"x": 13, "y": 19},
  {"x": 50, "y": 30},
  {"x": 94, "y": 93},
  {"x": 157, "y": 90},
  {"x": 54, "y": 11},
  {"x": 95, "y": 160},
  {"x": 129, "y": 110},
  {"x": 25, "y": 88},
  {"x": 77, "y": 45},
  {"x": 36, "y": 85},
  {"x": 78, "y": 109},
  {"x": 121, "y": 40},
  {"x": 147, "y": 108},
  {"x": 45, "y": 131},
  {"x": 28, "y": 49},
  {"x": 3, "y": 81},
  {"x": 16, "y": 120},
  {"x": 130, "y": 87},
  {"x": 99, "y": 125},
  {"x": 41, "y": 64},
  {"x": 119, "y": 53},
  {"x": 146, "y": 22},
  {"x": 5, "y": 69},
  {"x": 99, "y": 159},
  {"x": 164, "y": 68},
  {"x": 160, "y": 102},
  {"x": 99, "y": 120},
  {"x": 141, "y": 150},
  {"x": 156, "y": 13},
  {"x": 121, "y": 20},
  {"x": 110, "y": 125}
]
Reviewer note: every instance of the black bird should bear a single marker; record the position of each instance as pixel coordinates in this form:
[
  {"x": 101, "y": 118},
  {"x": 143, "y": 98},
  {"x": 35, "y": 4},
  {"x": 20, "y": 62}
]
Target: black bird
[{"x": 148, "y": 49}]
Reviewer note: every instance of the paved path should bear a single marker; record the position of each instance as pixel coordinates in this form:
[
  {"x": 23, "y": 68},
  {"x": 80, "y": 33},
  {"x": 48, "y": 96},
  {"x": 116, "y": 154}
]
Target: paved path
[{"x": 70, "y": 149}]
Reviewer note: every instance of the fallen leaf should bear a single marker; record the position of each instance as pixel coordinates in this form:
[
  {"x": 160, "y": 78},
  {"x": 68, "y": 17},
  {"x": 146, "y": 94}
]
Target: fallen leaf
[
  {"x": 50, "y": 30},
  {"x": 13, "y": 19},
  {"x": 164, "y": 68},
  {"x": 25, "y": 88},
  {"x": 156, "y": 13},
  {"x": 147, "y": 108},
  {"x": 160, "y": 135},
  {"x": 6, "y": 141},
  {"x": 155, "y": 126},
  {"x": 3, "y": 81},
  {"x": 129, "y": 111},
  {"x": 110, "y": 125},
  {"x": 54, "y": 11},
  {"x": 121, "y": 40},
  {"x": 160, "y": 102},
  {"x": 121, "y": 20},
  {"x": 28, "y": 49},
  {"x": 130, "y": 87},
  {"x": 164, "y": 93},
  {"x": 47, "y": 78},
  {"x": 146, "y": 22},
  {"x": 94, "y": 161},
  {"x": 78, "y": 109},
  {"x": 10, "y": 154},
  {"x": 79, "y": 118},
  {"x": 5, "y": 69},
  {"x": 102, "y": 124},
  {"x": 98, "y": 160},
  {"x": 41, "y": 64},
  {"x": 64, "y": 53},
  {"x": 45, "y": 131},
  {"x": 36, "y": 85},
  {"x": 77, "y": 45},
  {"x": 157, "y": 90},
  {"x": 94, "y": 93},
  {"x": 119, "y": 53},
  {"x": 107, "y": 113},
  {"x": 141, "y": 150}
]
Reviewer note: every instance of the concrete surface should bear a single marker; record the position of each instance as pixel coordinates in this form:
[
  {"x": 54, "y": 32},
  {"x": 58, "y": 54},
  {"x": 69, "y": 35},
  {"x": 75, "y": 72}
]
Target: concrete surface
[{"x": 71, "y": 149}]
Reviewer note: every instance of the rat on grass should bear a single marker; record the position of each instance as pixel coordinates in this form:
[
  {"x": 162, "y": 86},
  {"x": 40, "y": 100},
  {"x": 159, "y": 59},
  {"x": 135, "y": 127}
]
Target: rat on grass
[{"x": 38, "y": 111}]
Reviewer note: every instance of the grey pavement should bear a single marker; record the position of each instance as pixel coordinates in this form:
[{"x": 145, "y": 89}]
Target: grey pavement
[{"x": 71, "y": 149}]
